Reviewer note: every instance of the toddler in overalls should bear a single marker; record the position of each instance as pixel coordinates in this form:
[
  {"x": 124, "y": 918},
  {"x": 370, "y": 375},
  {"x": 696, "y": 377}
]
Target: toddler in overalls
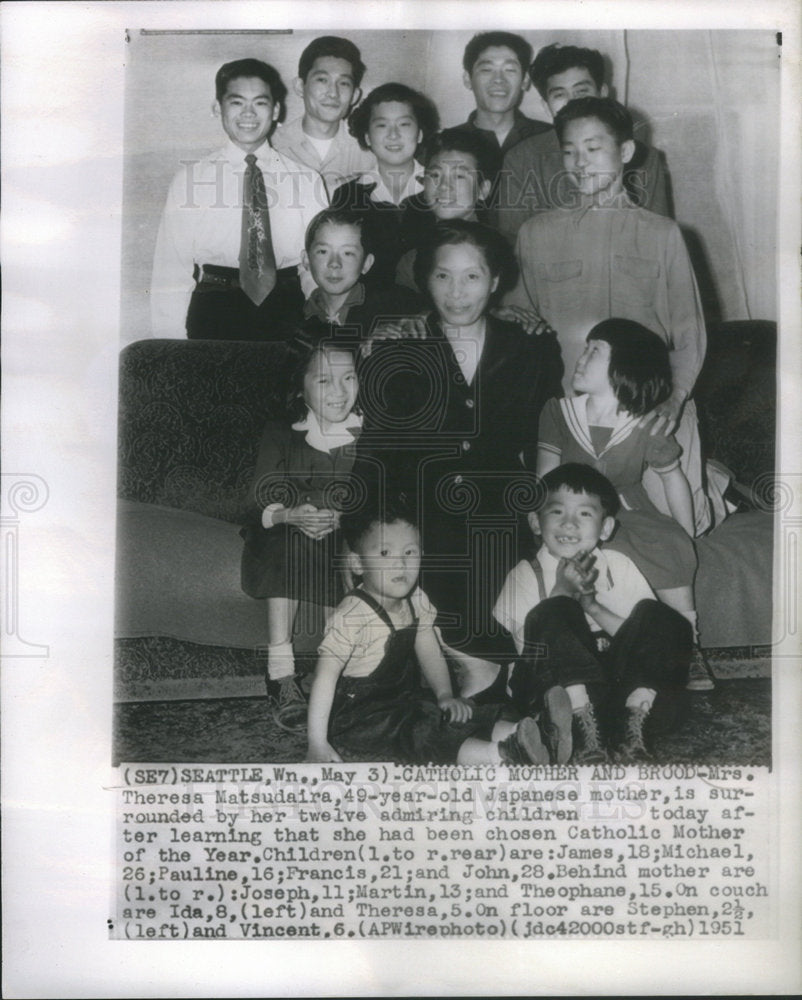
[{"x": 368, "y": 699}]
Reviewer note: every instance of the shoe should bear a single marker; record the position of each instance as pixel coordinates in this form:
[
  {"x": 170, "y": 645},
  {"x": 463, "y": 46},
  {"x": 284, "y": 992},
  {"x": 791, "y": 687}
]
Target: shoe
[
  {"x": 700, "y": 676},
  {"x": 632, "y": 749},
  {"x": 524, "y": 746},
  {"x": 588, "y": 747},
  {"x": 287, "y": 705},
  {"x": 556, "y": 723}
]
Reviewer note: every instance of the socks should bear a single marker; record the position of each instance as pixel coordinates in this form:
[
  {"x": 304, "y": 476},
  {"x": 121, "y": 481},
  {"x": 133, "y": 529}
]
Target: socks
[
  {"x": 280, "y": 661},
  {"x": 641, "y": 697},
  {"x": 578, "y": 696}
]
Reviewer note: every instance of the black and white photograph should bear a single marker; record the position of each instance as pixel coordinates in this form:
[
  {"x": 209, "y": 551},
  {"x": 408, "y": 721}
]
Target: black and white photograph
[{"x": 400, "y": 505}]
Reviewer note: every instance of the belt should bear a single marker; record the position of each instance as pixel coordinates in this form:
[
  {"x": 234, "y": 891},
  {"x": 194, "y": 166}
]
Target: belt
[{"x": 217, "y": 276}]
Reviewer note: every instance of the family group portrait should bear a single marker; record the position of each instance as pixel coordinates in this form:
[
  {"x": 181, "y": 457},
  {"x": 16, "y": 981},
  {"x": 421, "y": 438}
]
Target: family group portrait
[{"x": 447, "y": 396}]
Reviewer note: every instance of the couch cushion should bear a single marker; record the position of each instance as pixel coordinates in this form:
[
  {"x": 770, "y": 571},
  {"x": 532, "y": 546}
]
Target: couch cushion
[
  {"x": 191, "y": 415},
  {"x": 178, "y": 575}
]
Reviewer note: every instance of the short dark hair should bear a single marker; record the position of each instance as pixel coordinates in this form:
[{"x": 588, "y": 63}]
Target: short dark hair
[
  {"x": 251, "y": 67},
  {"x": 331, "y": 45},
  {"x": 340, "y": 217},
  {"x": 497, "y": 252},
  {"x": 487, "y": 39},
  {"x": 423, "y": 110},
  {"x": 356, "y": 525},
  {"x": 640, "y": 370},
  {"x": 554, "y": 59},
  {"x": 488, "y": 159},
  {"x": 579, "y": 478},
  {"x": 614, "y": 116},
  {"x": 315, "y": 337}
]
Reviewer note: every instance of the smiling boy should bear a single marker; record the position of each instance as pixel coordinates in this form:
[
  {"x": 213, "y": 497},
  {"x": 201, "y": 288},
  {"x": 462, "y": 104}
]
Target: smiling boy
[
  {"x": 210, "y": 243},
  {"x": 330, "y": 72},
  {"x": 495, "y": 65},
  {"x": 532, "y": 176},
  {"x": 597, "y": 651}
]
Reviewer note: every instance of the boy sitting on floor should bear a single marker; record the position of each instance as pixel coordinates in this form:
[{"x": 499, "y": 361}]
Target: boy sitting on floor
[{"x": 596, "y": 646}]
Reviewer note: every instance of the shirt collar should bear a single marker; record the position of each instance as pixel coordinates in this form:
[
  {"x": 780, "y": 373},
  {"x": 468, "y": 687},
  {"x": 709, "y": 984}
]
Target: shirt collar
[
  {"x": 380, "y": 192},
  {"x": 316, "y": 306},
  {"x": 337, "y": 436},
  {"x": 265, "y": 154}
]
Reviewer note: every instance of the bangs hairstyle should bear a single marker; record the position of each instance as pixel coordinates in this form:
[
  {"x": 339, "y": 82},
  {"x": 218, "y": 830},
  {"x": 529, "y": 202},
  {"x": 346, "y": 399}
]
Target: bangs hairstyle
[
  {"x": 337, "y": 48},
  {"x": 423, "y": 111},
  {"x": 254, "y": 68},
  {"x": 496, "y": 251},
  {"x": 640, "y": 371},
  {"x": 578, "y": 478},
  {"x": 554, "y": 59},
  {"x": 614, "y": 116},
  {"x": 488, "y": 39},
  {"x": 339, "y": 217},
  {"x": 315, "y": 337},
  {"x": 356, "y": 525},
  {"x": 487, "y": 159}
]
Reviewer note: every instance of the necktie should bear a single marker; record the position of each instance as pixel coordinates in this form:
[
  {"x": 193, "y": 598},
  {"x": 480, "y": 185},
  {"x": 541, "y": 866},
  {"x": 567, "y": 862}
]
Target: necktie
[{"x": 257, "y": 264}]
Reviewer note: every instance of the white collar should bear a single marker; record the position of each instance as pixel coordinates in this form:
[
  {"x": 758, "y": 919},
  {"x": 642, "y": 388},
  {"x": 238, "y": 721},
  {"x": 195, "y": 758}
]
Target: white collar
[
  {"x": 380, "y": 193},
  {"x": 236, "y": 156},
  {"x": 575, "y": 412},
  {"x": 604, "y": 581},
  {"x": 339, "y": 434}
]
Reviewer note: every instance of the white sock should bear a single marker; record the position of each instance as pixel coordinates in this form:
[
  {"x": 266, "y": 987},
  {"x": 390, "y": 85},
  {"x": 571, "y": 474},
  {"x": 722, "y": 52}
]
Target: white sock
[
  {"x": 578, "y": 696},
  {"x": 280, "y": 661},
  {"x": 692, "y": 618},
  {"x": 640, "y": 698}
]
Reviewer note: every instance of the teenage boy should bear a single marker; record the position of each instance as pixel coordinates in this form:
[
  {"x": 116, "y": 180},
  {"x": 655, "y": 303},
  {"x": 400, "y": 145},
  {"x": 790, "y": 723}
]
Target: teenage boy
[
  {"x": 338, "y": 254},
  {"x": 495, "y": 65},
  {"x": 232, "y": 229},
  {"x": 597, "y": 650},
  {"x": 330, "y": 72},
  {"x": 605, "y": 257},
  {"x": 532, "y": 177}
]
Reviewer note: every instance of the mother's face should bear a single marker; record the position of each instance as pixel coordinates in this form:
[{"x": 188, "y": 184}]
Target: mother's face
[{"x": 460, "y": 284}]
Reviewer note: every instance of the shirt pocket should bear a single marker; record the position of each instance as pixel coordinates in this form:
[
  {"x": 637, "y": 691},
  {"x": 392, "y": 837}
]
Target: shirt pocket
[
  {"x": 560, "y": 270},
  {"x": 635, "y": 281}
]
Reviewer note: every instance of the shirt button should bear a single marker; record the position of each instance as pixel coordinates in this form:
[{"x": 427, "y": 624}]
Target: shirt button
[
  {"x": 469, "y": 403},
  {"x": 466, "y": 445},
  {"x": 457, "y": 480}
]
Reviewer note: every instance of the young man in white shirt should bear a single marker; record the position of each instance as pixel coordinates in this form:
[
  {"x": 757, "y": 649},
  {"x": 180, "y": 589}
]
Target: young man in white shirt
[{"x": 205, "y": 240}]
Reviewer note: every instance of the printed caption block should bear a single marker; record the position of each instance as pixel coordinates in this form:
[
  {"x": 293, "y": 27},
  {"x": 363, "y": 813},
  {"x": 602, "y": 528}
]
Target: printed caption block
[{"x": 383, "y": 851}]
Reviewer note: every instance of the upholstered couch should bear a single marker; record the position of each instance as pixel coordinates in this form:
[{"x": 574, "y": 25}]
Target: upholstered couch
[{"x": 191, "y": 414}]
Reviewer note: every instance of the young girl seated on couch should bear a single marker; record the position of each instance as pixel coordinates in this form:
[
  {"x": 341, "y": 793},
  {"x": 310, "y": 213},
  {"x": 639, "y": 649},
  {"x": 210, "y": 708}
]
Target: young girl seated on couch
[{"x": 301, "y": 478}]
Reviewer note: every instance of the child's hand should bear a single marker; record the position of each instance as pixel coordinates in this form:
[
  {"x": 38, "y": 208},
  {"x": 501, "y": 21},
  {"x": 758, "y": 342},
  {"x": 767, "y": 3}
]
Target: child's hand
[
  {"x": 587, "y": 601},
  {"x": 532, "y": 322},
  {"x": 456, "y": 709},
  {"x": 323, "y": 753},
  {"x": 576, "y": 576},
  {"x": 408, "y": 328},
  {"x": 312, "y": 522}
]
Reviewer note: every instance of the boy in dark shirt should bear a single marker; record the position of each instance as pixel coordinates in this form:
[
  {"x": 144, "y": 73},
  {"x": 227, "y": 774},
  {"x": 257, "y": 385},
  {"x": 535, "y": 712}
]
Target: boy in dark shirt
[
  {"x": 532, "y": 178},
  {"x": 337, "y": 255}
]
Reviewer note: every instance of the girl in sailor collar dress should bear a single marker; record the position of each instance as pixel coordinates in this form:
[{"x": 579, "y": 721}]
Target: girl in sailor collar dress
[
  {"x": 622, "y": 375},
  {"x": 301, "y": 479}
]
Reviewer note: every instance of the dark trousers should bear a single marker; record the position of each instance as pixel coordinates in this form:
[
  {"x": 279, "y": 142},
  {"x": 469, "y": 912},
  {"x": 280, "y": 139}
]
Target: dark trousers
[
  {"x": 651, "y": 649},
  {"x": 226, "y": 313}
]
